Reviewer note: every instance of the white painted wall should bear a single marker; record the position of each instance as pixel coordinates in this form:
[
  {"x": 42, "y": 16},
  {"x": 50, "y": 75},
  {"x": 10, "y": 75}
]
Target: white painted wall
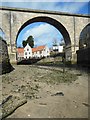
[
  {"x": 27, "y": 52},
  {"x": 43, "y": 53},
  {"x": 46, "y": 52},
  {"x": 58, "y": 48}
]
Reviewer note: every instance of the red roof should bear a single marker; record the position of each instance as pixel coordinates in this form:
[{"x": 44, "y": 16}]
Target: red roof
[
  {"x": 39, "y": 48},
  {"x": 20, "y": 50}
]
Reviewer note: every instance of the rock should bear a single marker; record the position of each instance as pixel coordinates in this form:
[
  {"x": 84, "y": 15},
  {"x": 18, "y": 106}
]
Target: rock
[
  {"x": 87, "y": 105},
  {"x": 6, "y": 99},
  {"x": 37, "y": 97},
  {"x": 58, "y": 94},
  {"x": 5, "y": 66},
  {"x": 11, "y": 105},
  {"x": 43, "y": 103},
  {"x": 76, "y": 106}
]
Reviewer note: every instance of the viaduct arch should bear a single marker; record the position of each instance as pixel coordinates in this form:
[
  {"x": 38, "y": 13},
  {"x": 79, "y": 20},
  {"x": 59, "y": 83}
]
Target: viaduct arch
[
  {"x": 70, "y": 25},
  {"x": 85, "y": 37},
  {"x": 51, "y": 21}
]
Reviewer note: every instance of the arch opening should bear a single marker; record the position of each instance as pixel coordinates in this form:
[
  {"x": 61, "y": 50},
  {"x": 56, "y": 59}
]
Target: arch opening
[
  {"x": 84, "y": 40},
  {"x": 61, "y": 29},
  {"x": 84, "y": 47},
  {"x": 52, "y": 22}
]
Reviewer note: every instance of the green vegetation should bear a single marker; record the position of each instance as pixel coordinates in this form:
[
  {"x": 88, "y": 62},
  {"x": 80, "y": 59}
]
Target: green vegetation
[
  {"x": 30, "y": 41},
  {"x": 24, "y": 43},
  {"x": 53, "y": 76},
  {"x": 52, "y": 63}
]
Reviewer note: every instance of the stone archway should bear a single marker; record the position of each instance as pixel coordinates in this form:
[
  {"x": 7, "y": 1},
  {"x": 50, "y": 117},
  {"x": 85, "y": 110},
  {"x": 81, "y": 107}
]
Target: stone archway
[
  {"x": 83, "y": 56},
  {"x": 84, "y": 40},
  {"x": 57, "y": 25}
]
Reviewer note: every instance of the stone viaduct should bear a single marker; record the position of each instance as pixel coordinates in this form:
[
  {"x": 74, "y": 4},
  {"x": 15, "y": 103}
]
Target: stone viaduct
[{"x": 13, "y": 20}]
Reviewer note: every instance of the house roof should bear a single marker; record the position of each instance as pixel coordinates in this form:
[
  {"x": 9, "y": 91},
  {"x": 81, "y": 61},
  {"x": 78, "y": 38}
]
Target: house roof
[
  {"x": 39, "y": 48},
  {"x": 20, "y": 50}
]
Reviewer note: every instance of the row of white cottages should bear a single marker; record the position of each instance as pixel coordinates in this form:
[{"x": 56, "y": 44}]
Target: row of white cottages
[
  {"x": 28, "y": 52},
  {"x": 37, "y": 52}
]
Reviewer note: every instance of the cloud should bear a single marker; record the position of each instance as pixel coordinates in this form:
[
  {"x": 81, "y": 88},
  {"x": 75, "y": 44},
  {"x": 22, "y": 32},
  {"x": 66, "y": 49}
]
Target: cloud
[
  {"x": 45, "y": 1},
  {"x": 43, "y": 34},
  {"x": 37, "y": 31},
  {"x": 59, "y": 5},
  {"x": 72, "y": 7}
]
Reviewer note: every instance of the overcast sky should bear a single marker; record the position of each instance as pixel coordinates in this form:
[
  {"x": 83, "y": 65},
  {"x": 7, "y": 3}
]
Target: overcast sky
[{"x": 44, "y": 33}]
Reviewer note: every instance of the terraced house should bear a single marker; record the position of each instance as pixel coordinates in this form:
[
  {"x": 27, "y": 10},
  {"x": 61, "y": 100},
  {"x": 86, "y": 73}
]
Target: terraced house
[{"x": 28, "y": 52}]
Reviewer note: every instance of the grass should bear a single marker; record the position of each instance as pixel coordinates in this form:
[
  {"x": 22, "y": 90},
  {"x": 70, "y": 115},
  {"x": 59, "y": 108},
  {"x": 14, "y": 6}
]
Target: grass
[
  {"x": 51, "y": 63},
  {"x": 52, "y": 76},
  {"x": 56, "y": 77},
  {"x": 37, "y": 74}
]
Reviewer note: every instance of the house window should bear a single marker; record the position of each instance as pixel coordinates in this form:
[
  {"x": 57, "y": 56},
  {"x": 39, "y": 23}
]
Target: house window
[
  {"x": 27, "y": 49},
  {"x": 25, "y": 53}
]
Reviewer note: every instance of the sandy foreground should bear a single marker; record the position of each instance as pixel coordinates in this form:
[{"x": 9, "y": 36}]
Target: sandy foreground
[{"x": 72, "y": 104}]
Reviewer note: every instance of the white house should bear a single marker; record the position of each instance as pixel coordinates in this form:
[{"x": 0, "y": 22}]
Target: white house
[
  {"x": 20, "y": 53},
  {"x": 27, "y": 52},
  {"x": 40, "y": 51},
  {"x": 58, "y": 48}
]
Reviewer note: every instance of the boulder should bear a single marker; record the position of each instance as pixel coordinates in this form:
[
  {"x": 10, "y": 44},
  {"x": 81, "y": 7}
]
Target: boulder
[{"x": 5, "y": 65}]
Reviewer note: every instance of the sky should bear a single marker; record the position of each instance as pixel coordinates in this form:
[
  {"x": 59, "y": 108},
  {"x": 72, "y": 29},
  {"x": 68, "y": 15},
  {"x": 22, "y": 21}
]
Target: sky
[{"x": 43, "y": 33}]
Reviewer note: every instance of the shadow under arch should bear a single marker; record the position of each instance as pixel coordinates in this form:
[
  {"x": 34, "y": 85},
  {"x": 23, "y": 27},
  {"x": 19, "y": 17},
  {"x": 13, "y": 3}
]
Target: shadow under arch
[
  {"x": 51, "y": 21},
  {"x": 84, "y": 47},
  {"x": 84, "y": 39},
  {"x": 5, "y": 65}
]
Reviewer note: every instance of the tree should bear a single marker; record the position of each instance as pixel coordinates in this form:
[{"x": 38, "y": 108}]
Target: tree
[
  {"x": 30, "y": 41},
  {"x": 24, "y": 43}
]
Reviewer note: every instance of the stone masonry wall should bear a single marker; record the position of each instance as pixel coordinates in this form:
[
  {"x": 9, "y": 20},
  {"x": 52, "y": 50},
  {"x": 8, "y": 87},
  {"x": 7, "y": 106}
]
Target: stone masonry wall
[{"x": 13, "y": 20}]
